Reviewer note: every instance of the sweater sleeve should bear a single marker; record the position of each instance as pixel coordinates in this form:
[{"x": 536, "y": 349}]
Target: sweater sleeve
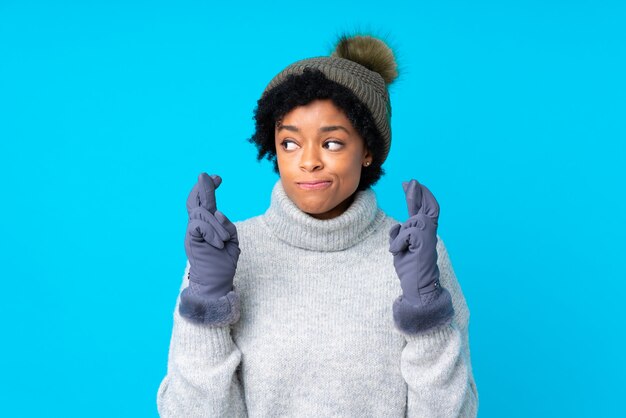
[
  {"x": 201, "y": 378},
  {"x": 436, "y": 363}
]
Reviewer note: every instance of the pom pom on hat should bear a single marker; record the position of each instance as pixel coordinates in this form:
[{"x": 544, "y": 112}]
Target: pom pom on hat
[{"x": 370, "y": 52}]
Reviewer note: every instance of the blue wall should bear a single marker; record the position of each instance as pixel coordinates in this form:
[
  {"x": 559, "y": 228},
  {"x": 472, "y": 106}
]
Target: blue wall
[{"x": 512, "y": 113}]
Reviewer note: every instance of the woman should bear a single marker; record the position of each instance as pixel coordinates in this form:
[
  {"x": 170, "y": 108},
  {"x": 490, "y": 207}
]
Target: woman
[{"x": 322, "y": 306}]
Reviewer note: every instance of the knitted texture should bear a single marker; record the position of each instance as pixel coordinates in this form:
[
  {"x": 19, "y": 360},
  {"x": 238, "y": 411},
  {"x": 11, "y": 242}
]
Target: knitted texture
[
  {"x": 219, "y": 312},
  {"x": 316, "y": 334},
  {"x": 367, "y": 85}
]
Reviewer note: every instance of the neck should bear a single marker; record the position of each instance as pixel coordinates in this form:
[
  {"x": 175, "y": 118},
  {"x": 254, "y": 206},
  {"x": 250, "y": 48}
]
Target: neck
[
  {"x": 349, "y": 227},
  {"x": 336, "y": 211}
]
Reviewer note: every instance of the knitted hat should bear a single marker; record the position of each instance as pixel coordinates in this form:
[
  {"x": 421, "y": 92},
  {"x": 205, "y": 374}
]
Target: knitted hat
[{"x": 363, "y": 64}]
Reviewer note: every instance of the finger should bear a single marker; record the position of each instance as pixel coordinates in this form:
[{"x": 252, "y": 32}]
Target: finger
[
  {"x": 209, "y": 218},
  {"x": 417, "y": 221},
  {"x": 217, "y": 180},
  {"x": 232, "y": 248},
  {"x": 430, "y": 207},
  {"x": 201, "y": 230},
  {"x": 226, "y": 223},
  {"x": 206, "y": 190},
  {"x": 194, "y": 229},
  {"x": 401, "y": 242},
  {"x": 413, "y": 194},
  {"x": 192, "y": 199}
]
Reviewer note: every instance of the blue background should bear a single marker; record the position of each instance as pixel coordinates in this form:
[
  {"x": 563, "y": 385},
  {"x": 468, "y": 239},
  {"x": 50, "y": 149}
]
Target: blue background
[{"x": 512, "y": 113}]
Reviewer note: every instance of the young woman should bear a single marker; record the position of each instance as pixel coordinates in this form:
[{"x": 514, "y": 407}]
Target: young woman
[{"x": 322, "y": 306}]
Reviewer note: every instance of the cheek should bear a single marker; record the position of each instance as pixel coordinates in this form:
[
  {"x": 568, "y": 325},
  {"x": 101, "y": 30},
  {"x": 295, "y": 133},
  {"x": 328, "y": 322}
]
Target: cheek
[
  {"x": 352, "y": 167},
  {"x": 356, "y": 175},
  {"x": 348, "y": 172},
  {"x": 283, "y": 163}
]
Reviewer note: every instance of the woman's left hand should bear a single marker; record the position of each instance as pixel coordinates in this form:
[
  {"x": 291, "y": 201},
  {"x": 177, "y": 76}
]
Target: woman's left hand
[{"x": 414, "y": 246}]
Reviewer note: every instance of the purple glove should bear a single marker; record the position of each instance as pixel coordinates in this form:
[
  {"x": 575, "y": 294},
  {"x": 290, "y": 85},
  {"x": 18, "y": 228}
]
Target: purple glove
[
  {"x": 212, "y": 249},
  {"x": 414, "y": 248}
]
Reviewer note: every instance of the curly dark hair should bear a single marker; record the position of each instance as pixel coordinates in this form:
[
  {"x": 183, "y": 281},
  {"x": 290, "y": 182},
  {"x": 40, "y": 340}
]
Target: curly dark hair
[{"x": 300, "y": 90}]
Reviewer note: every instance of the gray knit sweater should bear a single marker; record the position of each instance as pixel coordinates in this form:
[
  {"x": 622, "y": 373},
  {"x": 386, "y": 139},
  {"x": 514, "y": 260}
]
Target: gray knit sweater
[{"x": 316, "y": 335}]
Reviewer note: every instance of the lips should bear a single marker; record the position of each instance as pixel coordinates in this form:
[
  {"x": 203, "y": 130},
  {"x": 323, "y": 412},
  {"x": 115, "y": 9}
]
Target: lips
[{"x": 314, "y": 184}]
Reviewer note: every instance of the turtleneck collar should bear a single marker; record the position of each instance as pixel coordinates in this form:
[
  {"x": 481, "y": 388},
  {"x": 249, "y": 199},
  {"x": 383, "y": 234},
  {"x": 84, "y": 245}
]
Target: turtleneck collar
[{"x": 290, "y": 224}]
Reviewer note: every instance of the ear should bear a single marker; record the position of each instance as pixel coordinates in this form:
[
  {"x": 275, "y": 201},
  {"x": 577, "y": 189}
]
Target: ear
[{"x": 367, "y": 155}]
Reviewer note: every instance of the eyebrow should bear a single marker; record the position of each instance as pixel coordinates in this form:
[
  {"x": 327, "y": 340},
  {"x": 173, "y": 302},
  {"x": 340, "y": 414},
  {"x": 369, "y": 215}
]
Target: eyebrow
[{"x": 322, "y": 129}]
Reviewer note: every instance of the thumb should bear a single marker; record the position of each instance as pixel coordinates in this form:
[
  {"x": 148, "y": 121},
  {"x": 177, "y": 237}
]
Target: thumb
[
  {"x": 393, "y": 232},
  {"x": 400, "y": 242}
]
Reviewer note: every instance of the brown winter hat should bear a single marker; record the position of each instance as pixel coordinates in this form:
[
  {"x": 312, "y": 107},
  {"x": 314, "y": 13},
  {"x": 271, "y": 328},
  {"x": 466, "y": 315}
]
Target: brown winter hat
[{"x": 364, "y": 64}]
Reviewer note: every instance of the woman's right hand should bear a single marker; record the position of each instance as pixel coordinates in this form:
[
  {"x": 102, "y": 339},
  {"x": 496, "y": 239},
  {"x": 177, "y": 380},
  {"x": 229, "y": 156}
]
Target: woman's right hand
[{"x": 211, "y": 242}]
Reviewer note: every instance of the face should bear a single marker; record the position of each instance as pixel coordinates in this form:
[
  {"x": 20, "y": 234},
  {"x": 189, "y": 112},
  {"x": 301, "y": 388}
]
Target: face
[{"x": 320, "y": 156}]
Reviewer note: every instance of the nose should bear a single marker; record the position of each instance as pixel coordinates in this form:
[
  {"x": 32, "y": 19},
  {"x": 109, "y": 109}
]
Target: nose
[{"x": 310, "y": 159}]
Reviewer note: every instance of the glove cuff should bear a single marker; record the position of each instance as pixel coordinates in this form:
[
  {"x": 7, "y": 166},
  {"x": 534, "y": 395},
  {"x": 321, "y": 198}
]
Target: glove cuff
[
  {"x": 217, "y": 312},
  {"x": 411, "y": 319}
]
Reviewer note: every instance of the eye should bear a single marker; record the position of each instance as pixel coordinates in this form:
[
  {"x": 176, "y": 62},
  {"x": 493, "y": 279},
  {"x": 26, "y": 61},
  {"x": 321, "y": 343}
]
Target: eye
[
  {"x": 288, "y": 145},
  {"x": 333, "y": 145}
]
